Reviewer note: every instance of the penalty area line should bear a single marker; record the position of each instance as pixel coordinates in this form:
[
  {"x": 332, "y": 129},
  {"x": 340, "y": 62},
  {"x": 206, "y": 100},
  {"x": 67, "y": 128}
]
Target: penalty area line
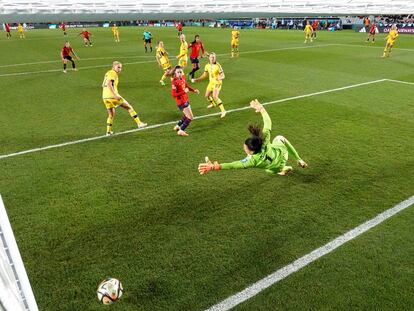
[
  {"x": 307, "y": 259},
  {"x": 4, "y": 156}
]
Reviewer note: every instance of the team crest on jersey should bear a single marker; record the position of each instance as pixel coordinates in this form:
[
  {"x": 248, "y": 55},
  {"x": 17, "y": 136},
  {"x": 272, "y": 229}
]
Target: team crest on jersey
[{"x": 246, "y": 159}]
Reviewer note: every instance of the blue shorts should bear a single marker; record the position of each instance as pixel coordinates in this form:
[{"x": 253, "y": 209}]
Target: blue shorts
[
  {"x": 194, "y": 60},
  {"x": 185, "y": 105}
]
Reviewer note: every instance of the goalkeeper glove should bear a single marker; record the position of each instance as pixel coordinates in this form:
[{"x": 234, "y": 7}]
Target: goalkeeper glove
[{"x": 208, "y": 166}]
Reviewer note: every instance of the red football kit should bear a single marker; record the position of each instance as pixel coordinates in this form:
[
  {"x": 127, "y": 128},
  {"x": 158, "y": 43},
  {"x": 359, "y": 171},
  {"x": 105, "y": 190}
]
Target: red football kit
[
  {"x": 195, "y": 49},
  {"x": 178, "y": 90},
  {"x": 66, "y": 51},
  {"x": 85, "y": 34}
]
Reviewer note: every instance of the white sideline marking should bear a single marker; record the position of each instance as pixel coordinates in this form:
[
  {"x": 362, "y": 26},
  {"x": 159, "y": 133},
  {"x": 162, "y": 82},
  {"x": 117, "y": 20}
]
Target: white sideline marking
[
  {"x": 400, "y": 81},
  {"x": 70, "y": 69},
  {"x": 4, "y": 156},
  {"x": 82, "y": 59},
  {"x": 149, "y": 61},
  {"x": 372, "y": 47},
  {"x": 305, "y": 260}
]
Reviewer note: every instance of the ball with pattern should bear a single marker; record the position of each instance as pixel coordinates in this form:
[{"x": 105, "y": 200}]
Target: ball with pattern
[{"x": 109, "y": 291}]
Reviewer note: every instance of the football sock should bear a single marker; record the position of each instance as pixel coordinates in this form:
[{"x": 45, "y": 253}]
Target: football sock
[
  {"x": 221, "y": 107},
  {"x": 291, "y": 150},
  {"x": 64, "y": 66},
  {"x": 186, "y": 123},
  {"x": 179, "y": 123},
  {"x": 109, "y": 123},
  {"x": 134, "y": 115},
  {"x": 191, "y": 74},
  {"x": 211, "y": 100},
  {"x": 146, "y": 49},
  {"x": 151, "y": 48},
  {"x": 73, "y": 64}
]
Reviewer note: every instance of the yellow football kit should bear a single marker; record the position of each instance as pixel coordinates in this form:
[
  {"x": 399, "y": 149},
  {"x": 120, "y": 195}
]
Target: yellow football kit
[
  {"x": 108, "y": 97},
  {"x": 392, "y": 37},
  {"x": 235, "y": 35},
  {"x": 183, "y": 57},
  {"x": 162, "y": 56},
  {"x": 214, "y": 71}
]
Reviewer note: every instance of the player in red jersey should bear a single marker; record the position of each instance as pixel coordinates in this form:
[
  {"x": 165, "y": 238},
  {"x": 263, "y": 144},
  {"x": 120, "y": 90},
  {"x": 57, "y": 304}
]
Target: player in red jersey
[
  {"x": 315, "y": 26},
  {"x": 179, "y": 90},
  {"x": 372, "y": 32},
  {"x": 86, "y": 37},
  {"x": 65, "y": 54},
  {"x": 195, "y": 46},
  {"x": 7, "y": 29},
  {"x": 179, "y": 27},
  {"x": 63, "y": 27}
]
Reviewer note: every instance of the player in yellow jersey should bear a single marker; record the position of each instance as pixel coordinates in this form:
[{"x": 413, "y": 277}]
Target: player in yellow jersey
[
  {"x": 235, "y": 35},
  {"x": 216, "y": 75},
  {"x": 112, "y": 99},
  {"x": 115, "y": 32},
  {"x": 163, "y": 61},
  {"x": 391, "y": 38},
  {"x": 308, "y": 32},
  {"x": 20, "y": 30},
  {"x": 183, "y": 56}
]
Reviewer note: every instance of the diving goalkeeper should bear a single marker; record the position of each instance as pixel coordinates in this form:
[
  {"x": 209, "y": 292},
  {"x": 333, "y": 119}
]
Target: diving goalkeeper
[{"x": 261, "y": 153}]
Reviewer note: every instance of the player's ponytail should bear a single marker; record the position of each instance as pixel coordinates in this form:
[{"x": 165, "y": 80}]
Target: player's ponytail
[{"x": 255, "y": 142}]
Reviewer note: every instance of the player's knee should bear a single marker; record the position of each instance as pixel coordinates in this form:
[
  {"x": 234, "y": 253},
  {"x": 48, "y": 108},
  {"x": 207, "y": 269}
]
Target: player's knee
[{"x": 281, "y": 138}]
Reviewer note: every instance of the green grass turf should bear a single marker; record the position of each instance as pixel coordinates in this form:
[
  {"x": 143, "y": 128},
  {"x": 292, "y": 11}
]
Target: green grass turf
[{"x": 135, "y": 208}]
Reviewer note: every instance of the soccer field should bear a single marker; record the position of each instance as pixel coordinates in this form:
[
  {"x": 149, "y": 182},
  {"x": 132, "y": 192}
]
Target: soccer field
[{"x": 134, "y": 207}]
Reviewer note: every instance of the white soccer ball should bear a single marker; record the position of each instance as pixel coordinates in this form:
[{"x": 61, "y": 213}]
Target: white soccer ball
[{"x": 109, "y": 291}]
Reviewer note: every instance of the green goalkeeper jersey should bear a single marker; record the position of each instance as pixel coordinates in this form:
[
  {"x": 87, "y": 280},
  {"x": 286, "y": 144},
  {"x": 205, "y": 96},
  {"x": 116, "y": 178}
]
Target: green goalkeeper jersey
[{"x": 272, "y": 157}]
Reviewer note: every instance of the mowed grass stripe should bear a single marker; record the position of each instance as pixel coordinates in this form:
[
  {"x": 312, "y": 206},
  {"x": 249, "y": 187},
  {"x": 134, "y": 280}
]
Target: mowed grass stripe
[
  {"x": 142, "y": 62},
  {"x": 173, "y": 122}
]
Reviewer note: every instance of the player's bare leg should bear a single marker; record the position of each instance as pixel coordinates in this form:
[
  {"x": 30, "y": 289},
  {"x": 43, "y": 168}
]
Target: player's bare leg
[
  {"x": 210, "y": 99},
  {"x": 188, "y": 117},
  {"x": 65, "y": 61},
  {"x": 133, "y": 114},
  {"x": 110, "y": 121},
  {"x": 218, "y": 102}
]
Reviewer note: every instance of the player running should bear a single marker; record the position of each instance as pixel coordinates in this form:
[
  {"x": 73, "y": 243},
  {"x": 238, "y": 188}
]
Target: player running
[
  {"x": 7, "y": 29},
  {"x": 216, "y": 75},
  {"x": 261, "y": 153},
  {"x": 63, "y": 27},
  {"x": 65, "y": 55},
  {"x": 86, "y": 37},
  {"x": 235, "y": 35},
  {"x": 20, "y": 30},
  {"x": 195, "y": 46},
  {"x": 147, "y": 37},
  {"x": 163, "y": 61},
  {"x": 115, "y": 32},
  {"x": 112, "y": 99},
  {"x": 179, "y": 27},
  {"x": 308, "y": 32},
  {"x": 391, "y": 38},
  {"x": 179, "y": 90},
  {"x": 183, "y": 56},
  {"x": 372, "y": 32}
]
